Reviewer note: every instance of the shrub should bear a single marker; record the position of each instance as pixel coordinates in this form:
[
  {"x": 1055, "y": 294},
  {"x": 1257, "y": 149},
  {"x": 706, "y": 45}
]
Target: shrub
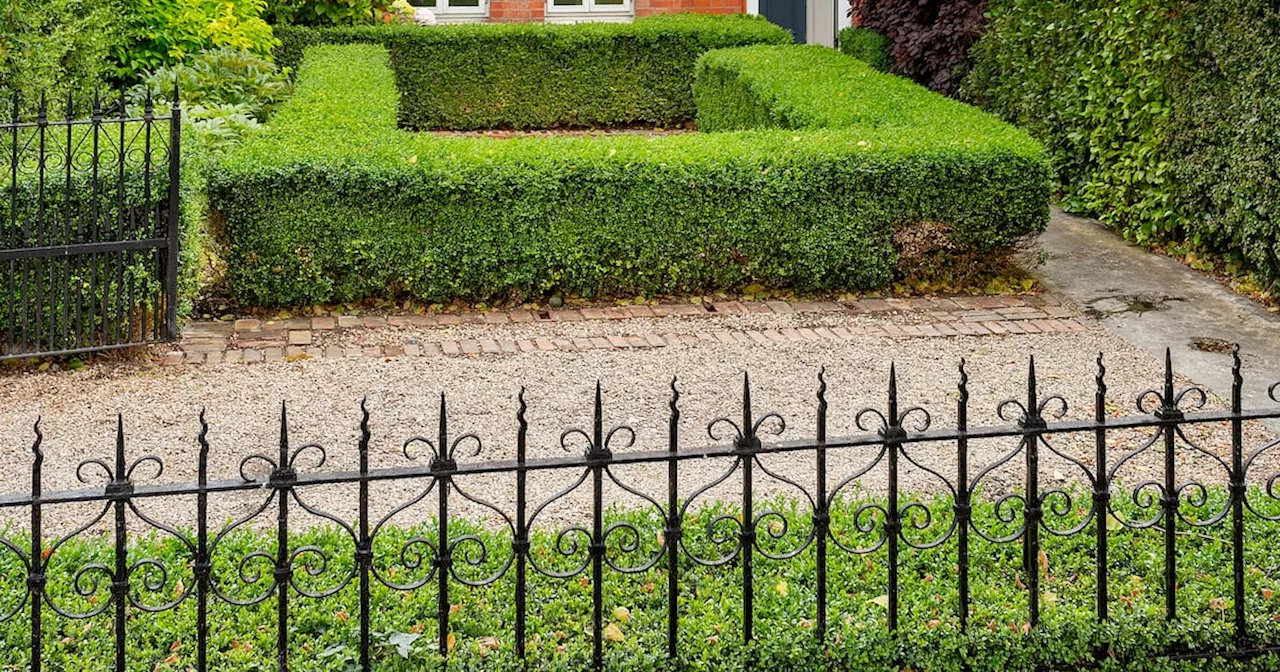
[
  {"x": 334, "y": 203},
  {"x": 1159, "y": 117},
  {"x": 931, "y": 38},
  {"x": 1224, "y": 134},
  {"x": 163, "y": 32},
  {"x": 540, "y": 76},
  {"x": 1090, "y": 80},
  {"x": 319, "y": 12},
  {"x": 56, "y": 47},
  {"x": 867, "y": 46}
]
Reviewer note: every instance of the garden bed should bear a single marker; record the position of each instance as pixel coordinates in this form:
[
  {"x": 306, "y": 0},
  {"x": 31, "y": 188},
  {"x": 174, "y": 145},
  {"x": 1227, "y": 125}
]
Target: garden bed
[
  {"x": 336, "y": 202},
  {"x": 324, "y": 632}
]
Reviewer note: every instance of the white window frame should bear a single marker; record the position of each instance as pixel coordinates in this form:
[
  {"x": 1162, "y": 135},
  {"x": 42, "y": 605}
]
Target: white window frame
[
  {"x": 589, "y": 11},
  {"x": 446, "y": 14}
]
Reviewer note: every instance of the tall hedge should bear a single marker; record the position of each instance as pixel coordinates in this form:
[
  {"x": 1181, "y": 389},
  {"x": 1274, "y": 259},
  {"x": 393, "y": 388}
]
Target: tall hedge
[
  {"x": 335, "y": 203},
  {"x": 1162, "y": 117},
  {"x": 1224, "y": 138},
  {"x": 474, "y": 76}
]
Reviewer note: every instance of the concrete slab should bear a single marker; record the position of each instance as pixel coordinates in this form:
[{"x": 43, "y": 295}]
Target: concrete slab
[{"x": 1153, "y": 301}]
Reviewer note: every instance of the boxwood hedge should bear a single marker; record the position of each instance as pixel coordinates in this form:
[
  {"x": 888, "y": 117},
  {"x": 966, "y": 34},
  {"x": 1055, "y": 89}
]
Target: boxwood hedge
[
  {"x": 524, "y": 75},
  {"x": 336, "y": 203}
]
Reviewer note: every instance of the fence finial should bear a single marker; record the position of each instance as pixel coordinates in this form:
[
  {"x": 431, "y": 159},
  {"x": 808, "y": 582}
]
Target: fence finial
[
  {"x": 963, "y": 386},
  {"x": 675, "y": 397},
  {"x": 284, "y": 434},
  {"x": 1168, "y": 377},
  {"x": 442, "y": 445},
  {"x": 35, "y": 447},
  {"x": 893, "y": 394},
  {"x": 203, "y": 437},
  {"x": 119, "y": 445},
  {"x": 746, "y": 404}
]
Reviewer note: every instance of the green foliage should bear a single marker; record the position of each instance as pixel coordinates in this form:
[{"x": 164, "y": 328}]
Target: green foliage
[
  {"x": 56, "y": 47},
  {"x": 1159, "y": 117},
  {"x": 544, "y": 75},
  {"x": 335, "y": 203},
  {"x": 1090, "y": 79},
  {"x": 867, "y": 46},
  {"x": 319, "y": 12},
  {"x": 324, "y": 633},
  {"x": 1225, "y": 134},
  {"x": 164, "y": 32},
  {"x": 223, "y": 76}
]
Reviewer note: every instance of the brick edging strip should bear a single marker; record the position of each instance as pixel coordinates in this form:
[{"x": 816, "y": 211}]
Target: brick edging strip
[{"x": 255, "y": 341}]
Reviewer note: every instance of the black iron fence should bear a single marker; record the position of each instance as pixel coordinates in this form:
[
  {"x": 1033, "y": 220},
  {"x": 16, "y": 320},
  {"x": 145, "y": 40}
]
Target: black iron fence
[
  {"x": 1030, "y": 509},
  {"x": 88, "y": 228}
]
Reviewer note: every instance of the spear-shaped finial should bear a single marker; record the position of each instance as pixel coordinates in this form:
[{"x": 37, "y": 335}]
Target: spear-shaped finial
[
  {"x": 746, "y": 405},
  {"x": 1168, "y": 376},
  {"x": 442, "y": 444},
  {"x": 893, "y": 393},
  {"x": 284, "y": 434},
  {"x": 1032, "y": 393},
  {"x": 120, "y": 445},
  {"x": 597, "y": 426}
]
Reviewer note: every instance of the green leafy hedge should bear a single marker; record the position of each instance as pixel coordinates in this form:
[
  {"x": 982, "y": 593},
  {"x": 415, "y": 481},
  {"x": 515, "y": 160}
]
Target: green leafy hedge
[
  {"x": 335, "y": 203},
  {"x": 867, "y": 46},
  {"x": 1162, "y": 118},
  {"x": 543, "y": 75}
]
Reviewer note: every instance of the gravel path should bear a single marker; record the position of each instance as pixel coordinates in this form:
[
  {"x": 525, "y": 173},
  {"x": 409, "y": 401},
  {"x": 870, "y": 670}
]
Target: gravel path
[{"x": 160, "y": 407}]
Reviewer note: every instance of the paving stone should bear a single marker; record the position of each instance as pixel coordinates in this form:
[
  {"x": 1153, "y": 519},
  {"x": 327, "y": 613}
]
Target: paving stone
[
  {"x": 324, "y": 323},
  {"x": 248, "y": 325},
  {"x": 300, "y": 337},
  {"x": 348, "y": 322}
]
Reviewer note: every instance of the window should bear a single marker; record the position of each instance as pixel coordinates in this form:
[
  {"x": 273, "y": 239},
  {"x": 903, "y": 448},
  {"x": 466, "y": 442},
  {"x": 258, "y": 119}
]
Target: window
[
  {"x": 589, "y": 10},
  {"x": 450, "y": 10}
]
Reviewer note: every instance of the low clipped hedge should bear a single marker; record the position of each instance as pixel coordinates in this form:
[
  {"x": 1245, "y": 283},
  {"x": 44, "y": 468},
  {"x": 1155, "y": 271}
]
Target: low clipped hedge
[
  {"x": 522, "y": 75},
  {"x": 336, "y": 203}
]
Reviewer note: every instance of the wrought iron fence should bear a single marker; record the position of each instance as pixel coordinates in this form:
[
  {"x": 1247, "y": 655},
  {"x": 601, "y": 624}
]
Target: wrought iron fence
[
  {"x": 88, "y": 228},
  {"x": 892, "y": 433}
]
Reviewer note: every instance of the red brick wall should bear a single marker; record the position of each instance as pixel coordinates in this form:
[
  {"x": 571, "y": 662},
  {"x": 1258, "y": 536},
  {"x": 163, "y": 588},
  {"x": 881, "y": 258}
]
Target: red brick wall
[
  {"x": 647, "y": 7},
  {"x": 515, "y": 11}
]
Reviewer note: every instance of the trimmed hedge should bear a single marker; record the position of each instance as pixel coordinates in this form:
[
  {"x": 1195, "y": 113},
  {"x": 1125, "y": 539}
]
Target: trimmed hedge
[
  {"x": 335, "y": 203},
  {"x": 522, "y": 75},
  {"x": 867, "y": 46},
  {"x": 1161, "y": 118}
]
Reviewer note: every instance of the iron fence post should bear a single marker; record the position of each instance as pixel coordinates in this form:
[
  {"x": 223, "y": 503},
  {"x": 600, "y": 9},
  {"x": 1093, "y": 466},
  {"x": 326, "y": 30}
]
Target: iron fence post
[
  {"x": 674, "y": 531},
  {"x": 821, "y": 514},
  {"x": 1238, "y": 493}
]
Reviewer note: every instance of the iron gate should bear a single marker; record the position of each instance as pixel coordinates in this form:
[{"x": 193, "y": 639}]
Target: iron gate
[{"x": 88, "y": 227}]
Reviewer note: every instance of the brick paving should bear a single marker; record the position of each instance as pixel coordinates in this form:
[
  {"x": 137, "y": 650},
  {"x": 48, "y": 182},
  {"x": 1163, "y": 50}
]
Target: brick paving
[{"x": 253, "y": 340}]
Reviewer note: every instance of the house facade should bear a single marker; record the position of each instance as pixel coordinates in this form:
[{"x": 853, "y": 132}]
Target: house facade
[{"x": 815, "y": 21}]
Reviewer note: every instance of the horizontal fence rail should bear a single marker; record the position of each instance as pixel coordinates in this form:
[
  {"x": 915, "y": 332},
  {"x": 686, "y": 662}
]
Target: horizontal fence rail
[
  {"x": 1030, "y": 510},
  {"x": 89, "y": 229}
]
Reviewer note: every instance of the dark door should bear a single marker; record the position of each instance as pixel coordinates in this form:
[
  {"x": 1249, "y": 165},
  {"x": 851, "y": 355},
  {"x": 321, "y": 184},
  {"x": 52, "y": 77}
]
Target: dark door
[{"x": 789, "y": 14}]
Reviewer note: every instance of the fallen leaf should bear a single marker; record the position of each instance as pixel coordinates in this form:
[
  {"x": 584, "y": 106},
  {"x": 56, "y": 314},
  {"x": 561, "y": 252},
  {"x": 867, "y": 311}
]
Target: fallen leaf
[
  {"x": 621, "y": 614},
  {"x": 781, "y": 588},
  {"x": 612, "y": 633},
  {"x": 882, "y": 600}
]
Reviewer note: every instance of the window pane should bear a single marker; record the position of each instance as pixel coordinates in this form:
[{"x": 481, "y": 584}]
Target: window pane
[
  {"x": 615, "y": 3},
  {"x": 567, "y": 3},
  {"x": 423, "y": 3},
  {"x": 464, "y": 3}
]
